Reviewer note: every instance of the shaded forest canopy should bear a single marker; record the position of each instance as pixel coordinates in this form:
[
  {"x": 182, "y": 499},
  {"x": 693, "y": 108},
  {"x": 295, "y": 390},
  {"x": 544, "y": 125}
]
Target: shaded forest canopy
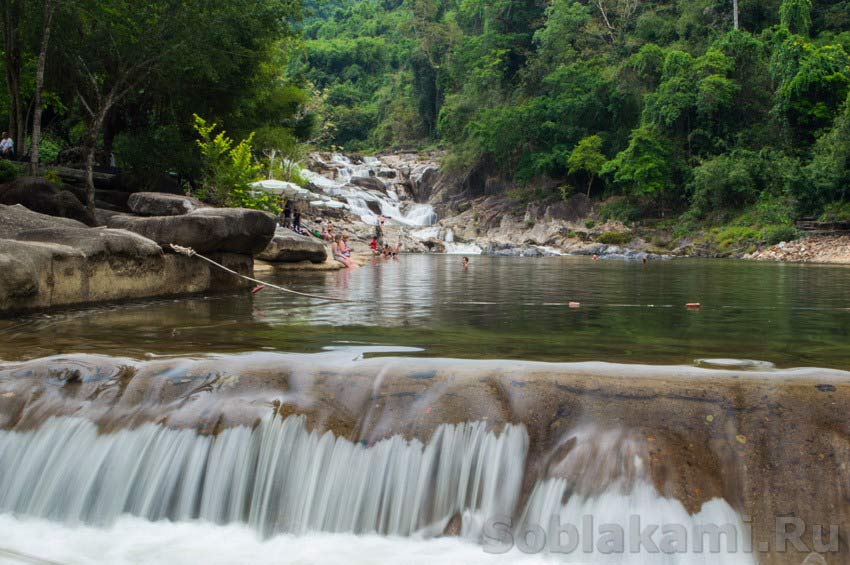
[{"x": 661, "y": 103}]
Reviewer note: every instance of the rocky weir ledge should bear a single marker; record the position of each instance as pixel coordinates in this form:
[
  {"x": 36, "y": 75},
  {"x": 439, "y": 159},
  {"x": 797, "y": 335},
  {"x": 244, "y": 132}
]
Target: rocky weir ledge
[
  {"x": 53, "y": 255},
  {"x": 767, "y": 444}
]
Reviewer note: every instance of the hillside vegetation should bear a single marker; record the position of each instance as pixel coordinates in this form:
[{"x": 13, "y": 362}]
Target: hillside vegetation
[{"x": 663, "y": 104}]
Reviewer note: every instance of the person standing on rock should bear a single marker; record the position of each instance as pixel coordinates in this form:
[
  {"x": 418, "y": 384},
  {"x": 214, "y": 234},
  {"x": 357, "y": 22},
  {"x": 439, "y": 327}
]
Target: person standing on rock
[
  {"x": 287, "y": 214},
  {"x": 379, "y": 231},
  {"x": 296, "y": 221}
]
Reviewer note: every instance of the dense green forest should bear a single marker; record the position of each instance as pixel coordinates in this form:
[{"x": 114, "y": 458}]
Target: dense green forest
[
  {"x": 709, "y": 111},
  {"x": 663, "y": 102}
]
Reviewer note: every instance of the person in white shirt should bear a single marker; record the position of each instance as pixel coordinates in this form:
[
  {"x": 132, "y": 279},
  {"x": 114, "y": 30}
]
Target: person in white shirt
[{"x": 7, "y": 147}]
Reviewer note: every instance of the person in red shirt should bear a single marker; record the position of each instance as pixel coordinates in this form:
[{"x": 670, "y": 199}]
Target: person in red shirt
[{"x": 374, "y": 245}]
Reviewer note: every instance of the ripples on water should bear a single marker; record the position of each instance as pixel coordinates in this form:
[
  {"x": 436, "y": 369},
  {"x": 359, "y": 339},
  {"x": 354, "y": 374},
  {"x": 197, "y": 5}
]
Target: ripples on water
[{"x": 790, "y": 315}]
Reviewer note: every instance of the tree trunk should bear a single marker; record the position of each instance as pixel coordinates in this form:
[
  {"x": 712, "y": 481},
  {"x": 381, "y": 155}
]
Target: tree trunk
[
  {"x": 589, "y": 185},
  {"x": 12, "y": 60},
  {"x": 735, "y": 13},
  {"x": 39, "y": 85},
  {"x": 91, "y": 147}
]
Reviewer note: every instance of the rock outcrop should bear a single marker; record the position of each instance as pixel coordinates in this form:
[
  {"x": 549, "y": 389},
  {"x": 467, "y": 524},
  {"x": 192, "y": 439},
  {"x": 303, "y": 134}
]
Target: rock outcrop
[
  {"x": 228, "y": 230},
  {"x": 290, "y": 247},
  {"x": 47, "y": 261},
  {"x": 41, "y": 196},
  {"x": 369, "y": 183},
  {"x": 17, "y": 218},
  {"x": 161, "y": 204}
]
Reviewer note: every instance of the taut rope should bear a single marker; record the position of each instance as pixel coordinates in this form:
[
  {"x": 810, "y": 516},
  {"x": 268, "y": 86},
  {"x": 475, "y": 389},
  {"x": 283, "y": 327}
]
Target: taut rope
[{"x": 189, "y": 252}]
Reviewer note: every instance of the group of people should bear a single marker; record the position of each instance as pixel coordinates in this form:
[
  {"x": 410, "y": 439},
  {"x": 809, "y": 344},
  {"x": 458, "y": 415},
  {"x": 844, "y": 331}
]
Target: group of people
[
  {"x": 292, "y": 217},
  {"x": 379, "y": 246},
  {"x": 7, "y": 147},
  {"x": 342, "y": 251}
]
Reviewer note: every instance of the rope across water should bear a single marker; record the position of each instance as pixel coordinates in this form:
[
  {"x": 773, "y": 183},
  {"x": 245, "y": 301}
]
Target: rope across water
[{"x": 189, "y": 252}]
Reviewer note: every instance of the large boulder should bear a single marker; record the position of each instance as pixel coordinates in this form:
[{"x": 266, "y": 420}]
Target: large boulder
[
  {"x": 61, "y": 266},
  {"x": 290, "y": 247},
  {"x": 231, "y": 230},
  {"x": 15, "y": 219},
  {"x": 40, "y": 196},
  {"x": 369, "y": 183},
  {"x": 95, "y": 242},
  {"x": 423, "y": 179},
  {"x": 160, "y": 204}
]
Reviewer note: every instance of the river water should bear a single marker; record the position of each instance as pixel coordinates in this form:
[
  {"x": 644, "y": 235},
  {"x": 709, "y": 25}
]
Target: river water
[
  {"x": 501, "y": 307},
  {"x": 141, "y": 490}
]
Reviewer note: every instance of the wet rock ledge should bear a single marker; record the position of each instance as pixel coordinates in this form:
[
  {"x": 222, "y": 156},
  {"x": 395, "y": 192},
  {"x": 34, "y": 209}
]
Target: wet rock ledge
[{"x": 48, "y": 261}]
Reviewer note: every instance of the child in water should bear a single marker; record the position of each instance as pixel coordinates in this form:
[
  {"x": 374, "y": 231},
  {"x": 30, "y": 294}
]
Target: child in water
[{"x": 464, "y": 263}]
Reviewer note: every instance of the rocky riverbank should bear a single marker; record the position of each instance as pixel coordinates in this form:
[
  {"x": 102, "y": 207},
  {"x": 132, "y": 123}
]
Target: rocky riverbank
[{"x": 813, "y": 249}]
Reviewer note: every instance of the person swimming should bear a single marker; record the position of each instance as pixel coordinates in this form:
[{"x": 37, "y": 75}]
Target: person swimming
[{"x": 464, "y": 263}]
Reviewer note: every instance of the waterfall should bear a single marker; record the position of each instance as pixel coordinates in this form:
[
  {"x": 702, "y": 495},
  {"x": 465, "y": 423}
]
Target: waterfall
[
  {"x": 358, "y": 198},
  {"x": 448, "y": 237},
  {"x": 277, "y": 477},
  {"x": 603, "y": 485}
]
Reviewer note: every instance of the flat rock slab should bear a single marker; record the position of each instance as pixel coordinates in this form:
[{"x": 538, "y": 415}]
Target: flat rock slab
[
  {"x": 290, "y": 247},
  {"x": 56, "y": 267},
  {"x": 230, "y": 230},
  {"x": 161, "y": 204},
  {"x": 96, "y": 242},
  {"x": 17, "y": 218}
]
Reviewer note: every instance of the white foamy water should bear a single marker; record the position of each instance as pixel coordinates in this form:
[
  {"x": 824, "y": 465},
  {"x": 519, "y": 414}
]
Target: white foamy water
[
  {"x": 632, "y": 511},
  {"x": 603, "y": 486},
  {"x": 447, "y": 236},
  {"x": 278, "y": 477},
  {"x": 134, "y": 541}
]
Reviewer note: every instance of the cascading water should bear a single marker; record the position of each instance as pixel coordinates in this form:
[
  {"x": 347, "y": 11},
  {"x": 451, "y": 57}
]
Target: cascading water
[
  {"x": 602, "y": 486},
  {"x": 366, "y": 202},
  {"x": 447, "y": 236},
  {"x": 278, "y": 477}
]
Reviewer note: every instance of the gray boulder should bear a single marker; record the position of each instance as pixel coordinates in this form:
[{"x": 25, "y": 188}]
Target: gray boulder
[
  {"x": 17, "y": 218},
  {"x": 95, "y": 242},
  {"x": 369, "y": 183},
  {"x": 161, "y": 204},
  {"x": 40, "y": 196},
  {"x": 290, "y": 247},
  {"x": 231, "y": 230},
  {"x": 423, "y": 179}
]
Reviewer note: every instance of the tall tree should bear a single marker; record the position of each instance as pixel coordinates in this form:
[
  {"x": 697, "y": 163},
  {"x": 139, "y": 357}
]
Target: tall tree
[{"x": 47, "y": 20}]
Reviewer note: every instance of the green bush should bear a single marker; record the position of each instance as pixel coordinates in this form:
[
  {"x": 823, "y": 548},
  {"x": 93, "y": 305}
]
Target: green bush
[
  {"x": 52, "y": 176},
  {"x": 228, "y": 170},
  {"x": 733, "y": 238},
  {"x": 614, "y": 238},
  {"x": 9, "y": 171},
  {"x": 620, "y": 209},
  {"x": 777, "y": 234},
  {"x": 836, "y": 212}
]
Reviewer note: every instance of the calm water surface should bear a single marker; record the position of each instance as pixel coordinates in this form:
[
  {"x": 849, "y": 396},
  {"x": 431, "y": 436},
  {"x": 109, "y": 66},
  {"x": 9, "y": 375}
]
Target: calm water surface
[{"x": 790, "y": 315}]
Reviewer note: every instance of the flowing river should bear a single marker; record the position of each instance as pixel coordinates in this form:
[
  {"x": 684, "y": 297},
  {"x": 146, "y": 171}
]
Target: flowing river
[{"x": 442, "y": 415}]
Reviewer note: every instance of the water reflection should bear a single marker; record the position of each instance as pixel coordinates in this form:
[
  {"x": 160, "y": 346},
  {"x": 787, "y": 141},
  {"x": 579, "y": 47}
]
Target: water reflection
[{"x": 791, "y": 315}]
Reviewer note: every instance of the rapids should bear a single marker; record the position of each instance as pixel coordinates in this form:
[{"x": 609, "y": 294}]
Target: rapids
[{"x": 391, "y": 452}]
